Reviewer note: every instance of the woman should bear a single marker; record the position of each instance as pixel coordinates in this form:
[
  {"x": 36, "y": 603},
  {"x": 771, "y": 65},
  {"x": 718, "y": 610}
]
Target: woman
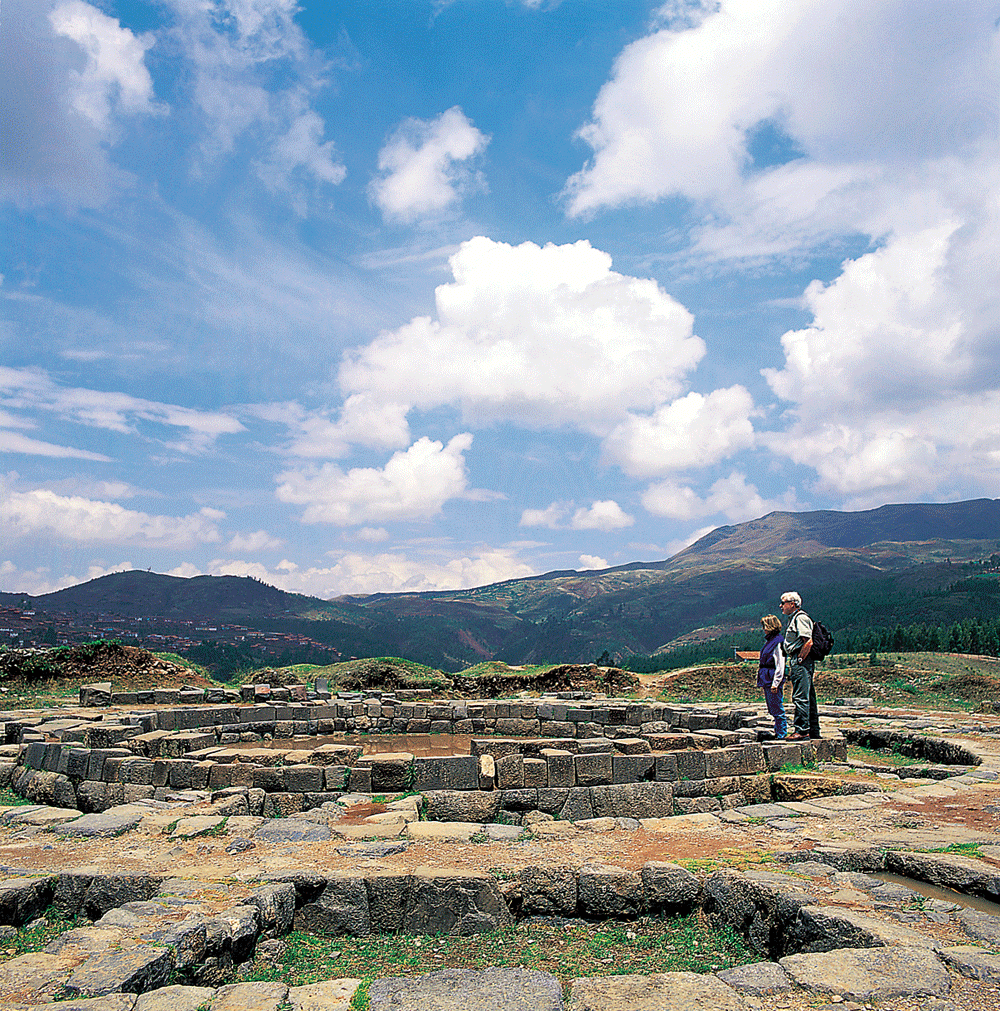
[{"x": 771, "y": 675}]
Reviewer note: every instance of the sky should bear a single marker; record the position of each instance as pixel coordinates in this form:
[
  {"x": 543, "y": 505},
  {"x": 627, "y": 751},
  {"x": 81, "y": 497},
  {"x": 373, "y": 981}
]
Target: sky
[{"x": 415, "y": 295}]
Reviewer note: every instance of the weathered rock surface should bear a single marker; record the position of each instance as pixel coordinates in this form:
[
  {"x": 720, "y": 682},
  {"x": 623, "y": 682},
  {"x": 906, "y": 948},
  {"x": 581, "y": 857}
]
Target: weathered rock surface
[
  {"x": 114, "y": 821},
  {"x": 330, "y": 995},
  {"x": 453, "y": 902},
  {"x": 870, "y": 973},
  {"x": 668, "y": 887},
  {"x": 757, "y": 979},
  {"x": 973, "y": 962},
  {"x": 463, "y": 805},
  {"x": 249, "y": 997},
  {"x": 666, "y": 991},
  {"x": 980, "y": 926},
  {"x": 132, "y": 970},
  {"x": 607, "y": 891},
  {"x": 948, "y": 870},
  {"x": 170, "y": 998},
  {"x": 468, "y": 990}
]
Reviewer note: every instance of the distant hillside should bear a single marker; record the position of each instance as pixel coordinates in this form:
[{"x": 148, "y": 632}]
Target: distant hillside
[
  {"x": 784, "y": 535},
  {"x": 146, "y": 594},
  {"x": 902, "y": 553}
]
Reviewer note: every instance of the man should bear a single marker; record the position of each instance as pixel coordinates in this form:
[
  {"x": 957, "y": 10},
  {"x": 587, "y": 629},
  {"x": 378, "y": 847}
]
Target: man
[{"x": 797, "y": 647}]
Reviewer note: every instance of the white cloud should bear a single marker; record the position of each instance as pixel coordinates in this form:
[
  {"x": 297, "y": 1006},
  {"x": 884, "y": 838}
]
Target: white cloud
[
  {"x": 115, "y": 73},
  {"x": 551, "y": 516},
  {"x": 681, "y": 109},
  {"x": 14, "y": 442},
  {"x": 372, "y": 535},
  {"x": 592, "y": 562},
  {"x": 389, "y": 572},
  {"x": 605, "y": 515},
  {"x": 422, "y": 166},
  {"x": 534, "y": 335},
  {"x": 69, "y": 76},
  {"x": 894, "y": 385},
  {"x": 255, "y": 73},
  {"x": 362, "y": 422},
  {"x": 884, "y": 121},
  {"x": 33, "y": 389},
  {"x": 258, "y": 540},
  {"x": 730, "y": 496},
  {"x": 414, "y": 484},
  {"x": 693, "y": 431},
  {"x": 40, "y": 512}
]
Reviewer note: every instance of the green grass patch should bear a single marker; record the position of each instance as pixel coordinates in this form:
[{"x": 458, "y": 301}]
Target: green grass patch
[
  {"x": 643, "y": 946},
  {"x": 885, "y": 757},
  {"x": 10, "y": 799},
  {"x": 961, "y": 849},
  {"x": 51, "y": 924}
]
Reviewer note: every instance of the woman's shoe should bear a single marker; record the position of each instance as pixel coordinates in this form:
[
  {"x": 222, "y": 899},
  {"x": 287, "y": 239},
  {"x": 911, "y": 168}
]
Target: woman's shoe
[{"x": 797, "y": 737}]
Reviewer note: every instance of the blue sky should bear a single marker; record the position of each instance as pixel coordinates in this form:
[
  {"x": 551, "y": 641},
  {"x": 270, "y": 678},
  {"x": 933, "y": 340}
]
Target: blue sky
[{"x": 378, "y": 296}]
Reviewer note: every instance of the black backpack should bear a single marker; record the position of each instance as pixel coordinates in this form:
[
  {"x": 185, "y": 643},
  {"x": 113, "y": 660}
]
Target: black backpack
[{"x": 822, "y": 639}]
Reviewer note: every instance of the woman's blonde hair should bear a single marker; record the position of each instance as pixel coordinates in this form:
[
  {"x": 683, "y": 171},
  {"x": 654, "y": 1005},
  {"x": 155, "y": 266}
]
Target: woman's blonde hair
[{"x": 771, "y": 623}]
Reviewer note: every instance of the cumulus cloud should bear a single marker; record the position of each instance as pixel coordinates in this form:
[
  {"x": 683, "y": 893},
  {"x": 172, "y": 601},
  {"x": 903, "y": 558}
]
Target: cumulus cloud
[
  {"x": 423, "y": 166},
  {"x": 592, "y": 562},
  {"x": 682, "y": 109},
  {"x": 34, "y": 389},
  {"x": 414, "y": 484},
  {"x": 693, "y": 431},
  {"x": 551, "y": 516},
  {"x": 881, "y": 120},
  {"x": 258, "y": 540},
  {"x": 604, "y": 515},
  {"x": 534, "y": 335},
  {"x": 362, "y": 421},
  {"x": 40, "y": 512},
  {"x": 70, "y": 75},
  {"x": 733, "y": 497},
  {"x": 388, "y": 572},
  {"x": 894, "y": 385},
  {"x": 114, "y": 74}
]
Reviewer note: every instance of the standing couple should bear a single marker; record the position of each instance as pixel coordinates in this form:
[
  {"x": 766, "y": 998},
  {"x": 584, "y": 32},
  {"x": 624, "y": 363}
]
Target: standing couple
[{"x": 791, "y": 651}]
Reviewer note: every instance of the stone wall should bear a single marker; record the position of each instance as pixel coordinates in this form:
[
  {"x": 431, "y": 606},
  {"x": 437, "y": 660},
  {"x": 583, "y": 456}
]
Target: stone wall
[{"x": 579, "y": 779}]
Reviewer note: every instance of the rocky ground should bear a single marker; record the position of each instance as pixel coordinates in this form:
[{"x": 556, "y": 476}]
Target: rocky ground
[{"x": 794, "y": 846}]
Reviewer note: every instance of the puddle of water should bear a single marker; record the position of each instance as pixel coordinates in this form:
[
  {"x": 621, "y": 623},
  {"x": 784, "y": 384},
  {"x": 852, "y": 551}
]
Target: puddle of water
[
  {"x": 936, "y": 892},
  {"x": 419, "y": 745}
]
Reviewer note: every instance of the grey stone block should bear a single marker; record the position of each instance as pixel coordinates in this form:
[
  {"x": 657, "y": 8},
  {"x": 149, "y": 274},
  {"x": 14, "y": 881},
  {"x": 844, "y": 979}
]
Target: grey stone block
[
  {"x": 593, "y": 769},
  {"x": 493, "y": 989},
  {"x": 276, "y": 906},
  {"x": 387, "y": 895},
  {"x": 690, "y": 764},
  {"x": 578, "y": 806},
  {"x": 453, "y": 903},
  {"x": 666, "y": 767},
  {"x": 24, "y": 899},
  {"x": 632, "y": 768},
  {"x": 561, "y": 767},
  {"x": 536, "y": 773},
  {"x": 510, "y": 772},
  {"x": 341, "y": 908},
  {"x": 463, "y": 805},
  {"x": 664, "y": 991},
  {"x": 668, "y": 887},
  {"x": 132, "y": 970},
  {"x": 607, "y": 892},
  {"x": 547, "y": 891}
]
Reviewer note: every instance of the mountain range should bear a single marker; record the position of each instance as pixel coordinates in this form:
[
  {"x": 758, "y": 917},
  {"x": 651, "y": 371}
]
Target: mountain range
[{"x": 898, "y": 558}]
